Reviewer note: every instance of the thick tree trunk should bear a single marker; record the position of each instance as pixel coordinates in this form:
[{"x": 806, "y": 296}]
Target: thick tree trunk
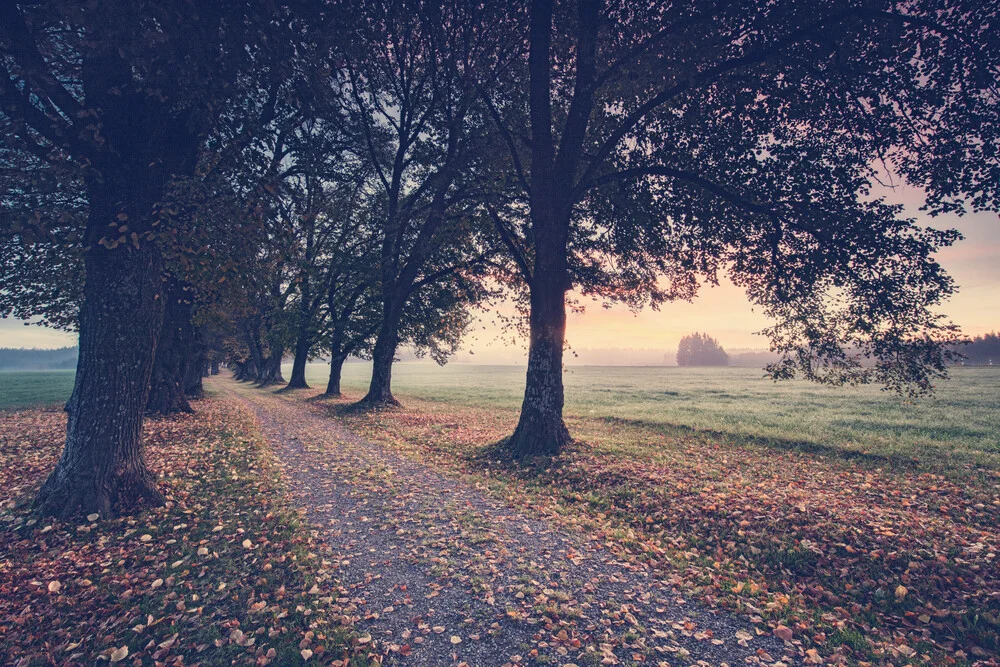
[
  {"x": 270, "y": 372},
  {"x": 193, "y": 387},
  {"x": 245, "y": 371},
  {"x": 383, "y": 355},
  {"x": 214, "y": 369},
  {"x": 336, "y": 367},
  {"x": 166, "y": 387},
  {"x": 102, "y": 468},
  {"x": 302, "y": 345},
  {"x": 540, "y": 429}
]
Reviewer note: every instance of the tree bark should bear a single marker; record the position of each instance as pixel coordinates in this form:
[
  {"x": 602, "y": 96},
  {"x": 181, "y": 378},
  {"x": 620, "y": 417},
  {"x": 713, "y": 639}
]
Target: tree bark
[
  {"x": 540, "y": 428},
  {"x": 245, "y": 371},
  {"x": 302, "y": 345},
  {"x": 215, "y": 367},
  {"x": 102, "y": 468},
  {"x": 380, "y": 388},
  {"x": 166, "y": 387},
  {"x": 336, "y": 367},
  {"x": 193, "y": 387},
  {"x": 270, "y": 371}
]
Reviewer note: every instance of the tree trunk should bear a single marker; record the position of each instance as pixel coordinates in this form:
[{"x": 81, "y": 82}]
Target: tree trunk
[
  {"x": 245, "y": 371},
  {"x": 195, "y": 366},
  {"x": 380, "y": 388},
  {"x": 215, "y": 367},
  {"x": 336, "y": 366},
  {"x": 540, "y": 429},
  {"x": 270, "y": 372},
  {"x": 302, "y": 345},
  {"x": 102, "y": 468},
  {"x": 166, "y": 387}
]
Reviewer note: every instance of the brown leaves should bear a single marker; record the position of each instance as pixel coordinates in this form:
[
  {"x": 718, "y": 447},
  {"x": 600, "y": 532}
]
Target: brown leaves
[
  {"x": 825, "y": 549},
  {"x": 71, "y": 594}
]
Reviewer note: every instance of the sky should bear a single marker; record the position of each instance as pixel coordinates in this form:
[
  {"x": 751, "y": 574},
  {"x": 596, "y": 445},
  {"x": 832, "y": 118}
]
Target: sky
[{"x": 723, "y": 311}]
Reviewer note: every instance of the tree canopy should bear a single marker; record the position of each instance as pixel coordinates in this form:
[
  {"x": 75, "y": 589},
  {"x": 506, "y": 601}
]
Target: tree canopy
[{"x": 700, "y": 349}]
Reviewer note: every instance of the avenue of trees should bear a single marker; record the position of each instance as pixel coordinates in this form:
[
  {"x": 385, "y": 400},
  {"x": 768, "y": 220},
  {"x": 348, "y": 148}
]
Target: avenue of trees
[{"x": 244, "y": 180}]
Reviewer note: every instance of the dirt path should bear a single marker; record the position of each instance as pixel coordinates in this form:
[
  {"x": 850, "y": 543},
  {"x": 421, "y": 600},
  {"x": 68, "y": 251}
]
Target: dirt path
[{"x": 440, "y": 574}]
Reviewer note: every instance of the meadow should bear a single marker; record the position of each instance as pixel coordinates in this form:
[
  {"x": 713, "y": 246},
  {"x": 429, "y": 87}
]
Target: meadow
[
  {"x": 852, "y": 522},
  {"x": 955, "y": 427},
  {"x": 21, "y": 389}
]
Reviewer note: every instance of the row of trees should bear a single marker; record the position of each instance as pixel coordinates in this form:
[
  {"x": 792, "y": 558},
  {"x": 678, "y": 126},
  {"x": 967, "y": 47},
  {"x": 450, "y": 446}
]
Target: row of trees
[
  {"x": 252, "y": 178},
  {"x": 981, "y": 350}
]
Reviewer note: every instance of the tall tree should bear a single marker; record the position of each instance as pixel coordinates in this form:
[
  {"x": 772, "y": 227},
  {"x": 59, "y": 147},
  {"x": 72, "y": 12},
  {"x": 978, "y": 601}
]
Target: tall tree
[
  {"x": 414, "y": 76},
  {"x": 324, "y": 174},
  {"x": 671, "y": 142},
  {"x": 123, "y": 94}
]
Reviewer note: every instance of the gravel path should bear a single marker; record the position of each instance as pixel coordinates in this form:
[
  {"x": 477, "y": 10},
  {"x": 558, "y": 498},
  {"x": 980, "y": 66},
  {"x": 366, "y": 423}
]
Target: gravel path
[{"x": 438, "y": 573}]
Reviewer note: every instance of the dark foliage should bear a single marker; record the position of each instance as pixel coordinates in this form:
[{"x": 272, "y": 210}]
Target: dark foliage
[{"x": 699, "y": 349}]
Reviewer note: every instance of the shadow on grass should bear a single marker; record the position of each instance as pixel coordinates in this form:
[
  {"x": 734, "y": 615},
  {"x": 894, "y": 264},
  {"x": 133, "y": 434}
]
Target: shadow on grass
[
  {"x": 338, "y": 406},
  {"x": 781, "y": 444}
]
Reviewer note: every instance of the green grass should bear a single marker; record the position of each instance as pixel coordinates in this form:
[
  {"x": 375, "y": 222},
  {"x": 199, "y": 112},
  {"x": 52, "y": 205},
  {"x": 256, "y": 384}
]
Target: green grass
[
  {"x": 959, "y": 425},
  {"x": 21, "y": 389}
]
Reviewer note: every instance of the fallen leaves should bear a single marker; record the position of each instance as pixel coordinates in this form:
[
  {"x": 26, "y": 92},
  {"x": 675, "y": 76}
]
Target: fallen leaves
[
  {"x": 833, "y": 555},
  {"x": 72, "y": 594}
]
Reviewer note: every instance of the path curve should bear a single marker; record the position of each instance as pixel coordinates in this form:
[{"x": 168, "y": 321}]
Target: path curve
[{"x": 440, "y": 574}]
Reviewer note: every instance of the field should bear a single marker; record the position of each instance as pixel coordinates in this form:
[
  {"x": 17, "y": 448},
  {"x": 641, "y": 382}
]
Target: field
[
  {"x": 863, "y": 527},
  {"x": 858, "y": 528},
  {"x": 956, "y": 427},
  {"x": 953, "y": 429},
  {"x": 20, "y": 389}
]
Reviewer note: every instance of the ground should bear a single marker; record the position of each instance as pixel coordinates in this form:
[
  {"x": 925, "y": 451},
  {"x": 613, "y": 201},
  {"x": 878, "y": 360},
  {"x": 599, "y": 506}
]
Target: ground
[
  {"x": 439, "y": 572},
  {"x": 222, "y": 574},
  {"x": 649, "y": 541}
]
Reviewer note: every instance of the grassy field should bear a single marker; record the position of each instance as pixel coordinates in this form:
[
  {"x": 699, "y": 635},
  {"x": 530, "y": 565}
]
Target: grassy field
[
  {"x": 864, "y": 527},
  {"x": 956, "y": 427},
  {"x": 20, "y": 389},
  {"x": 861, "y": 526}
]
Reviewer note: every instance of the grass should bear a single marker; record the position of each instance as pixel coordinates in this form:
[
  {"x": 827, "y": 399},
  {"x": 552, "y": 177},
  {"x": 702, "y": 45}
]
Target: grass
[
  {"x": 20, "y": 389},
  {"x": 864, "y": 525},
  {"x": 956, "y": 428}
]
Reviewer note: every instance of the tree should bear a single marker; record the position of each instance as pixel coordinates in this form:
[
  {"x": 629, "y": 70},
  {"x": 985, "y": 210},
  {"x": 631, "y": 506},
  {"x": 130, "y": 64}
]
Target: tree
[
  {"x": 122, "y": 96},
  {"x": 352, "y": 311},
  {"x": 981, "y": 350},
  {"x": 701, "y": 350},
  {"x": 323, "y": 174},
  {"x": 670, "y": 142},
  {"x": 414, "y": 75}
]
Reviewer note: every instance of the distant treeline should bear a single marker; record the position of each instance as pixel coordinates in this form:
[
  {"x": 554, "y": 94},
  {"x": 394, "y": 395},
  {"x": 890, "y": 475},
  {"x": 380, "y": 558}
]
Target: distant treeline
[
  {"x": 17, "y": 359},
  {"x": 982, "y": 350}
]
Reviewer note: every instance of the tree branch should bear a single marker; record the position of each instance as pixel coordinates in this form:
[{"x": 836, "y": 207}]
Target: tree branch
[{"x": 516, "y": 253}]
